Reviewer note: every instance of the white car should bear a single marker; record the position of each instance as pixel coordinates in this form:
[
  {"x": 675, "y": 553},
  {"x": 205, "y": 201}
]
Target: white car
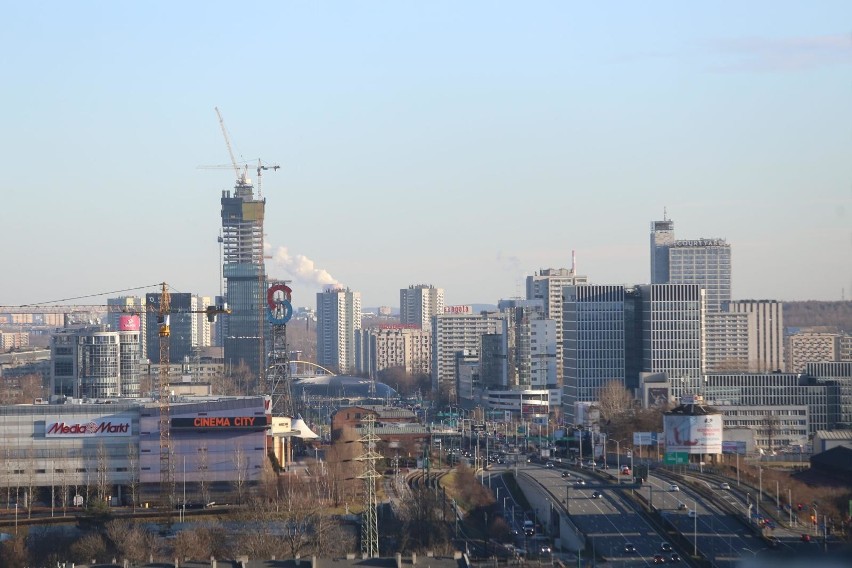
[
  {"x": 725, "y": 486},
  {"x": 674, "y": 487}
]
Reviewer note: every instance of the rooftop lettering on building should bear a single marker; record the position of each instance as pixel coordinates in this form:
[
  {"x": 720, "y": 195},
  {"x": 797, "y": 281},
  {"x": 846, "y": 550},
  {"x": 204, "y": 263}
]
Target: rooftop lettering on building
[
  {"x": 458, "y": 310},
  {"x": 701, "y": 243}
]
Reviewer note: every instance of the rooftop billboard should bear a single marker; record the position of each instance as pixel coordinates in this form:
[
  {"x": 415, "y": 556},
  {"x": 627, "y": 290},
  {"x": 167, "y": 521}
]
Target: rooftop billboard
[{"x": 693, "y": 434}]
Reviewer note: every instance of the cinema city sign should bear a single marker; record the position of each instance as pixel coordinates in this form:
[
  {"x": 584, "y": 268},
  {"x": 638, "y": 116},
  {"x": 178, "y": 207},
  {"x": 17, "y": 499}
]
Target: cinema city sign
[{"x": 98, "y": 427}]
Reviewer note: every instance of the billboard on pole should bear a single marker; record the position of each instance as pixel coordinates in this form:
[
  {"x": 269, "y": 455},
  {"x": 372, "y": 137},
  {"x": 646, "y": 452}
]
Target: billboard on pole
[{"x": 693, "y": 434}]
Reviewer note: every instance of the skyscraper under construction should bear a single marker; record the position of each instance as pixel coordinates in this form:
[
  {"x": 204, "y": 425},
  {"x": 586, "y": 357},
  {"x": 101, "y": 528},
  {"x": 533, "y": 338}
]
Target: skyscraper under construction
[{"x": 245, "y": 276}]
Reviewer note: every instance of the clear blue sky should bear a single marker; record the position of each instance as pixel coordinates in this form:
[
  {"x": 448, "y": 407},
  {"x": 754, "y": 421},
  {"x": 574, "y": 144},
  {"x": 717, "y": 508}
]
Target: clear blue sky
[{"x": 462, "y": 144}]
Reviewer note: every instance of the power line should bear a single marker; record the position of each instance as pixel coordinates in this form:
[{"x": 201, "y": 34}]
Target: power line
[{"x": 88, "y": 296}]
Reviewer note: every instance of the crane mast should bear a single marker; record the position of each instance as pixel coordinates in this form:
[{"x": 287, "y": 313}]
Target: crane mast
[
  {"x": 241, "y": 178},
  {"x": 167, "y": 478}
]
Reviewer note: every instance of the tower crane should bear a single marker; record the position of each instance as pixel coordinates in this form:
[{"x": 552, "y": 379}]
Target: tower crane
[
  {"x": 260, "y": 169},
  {"x": 167, "y": 474},
  {"x": 241, "y": 177}
]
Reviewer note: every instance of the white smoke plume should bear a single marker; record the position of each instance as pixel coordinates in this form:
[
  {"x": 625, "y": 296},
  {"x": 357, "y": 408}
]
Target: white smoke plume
[{"x": 303, "y": 269}]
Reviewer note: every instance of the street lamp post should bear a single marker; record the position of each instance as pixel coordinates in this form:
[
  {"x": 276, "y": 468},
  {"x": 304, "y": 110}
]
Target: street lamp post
[
  {"x": 790, "y": 504},
  {"x": 695, "y": 528}
]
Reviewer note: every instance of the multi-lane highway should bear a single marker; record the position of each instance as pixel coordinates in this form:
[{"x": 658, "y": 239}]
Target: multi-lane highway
[
  {"x": 712, "y": 530},
  {"x": 615, "y": 531}
]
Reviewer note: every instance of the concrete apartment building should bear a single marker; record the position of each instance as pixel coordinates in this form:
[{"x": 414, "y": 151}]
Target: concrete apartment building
[
  {"x": 814, "y": 347},
  {"x": 419, "y": 303},
  {"x": 546, "y": 285},
  {"x": 522, "y": 355},
  {"x": 455, "y": 331},
  {"x": 405, "y": 346},
  {"x": 338, "y": 319}
]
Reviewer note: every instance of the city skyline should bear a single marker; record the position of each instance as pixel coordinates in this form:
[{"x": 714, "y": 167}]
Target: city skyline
[{"x": 467, "y": 146}]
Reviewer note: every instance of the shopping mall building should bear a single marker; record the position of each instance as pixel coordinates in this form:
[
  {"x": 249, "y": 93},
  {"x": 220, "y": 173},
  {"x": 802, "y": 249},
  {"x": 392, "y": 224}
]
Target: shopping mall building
[{"x": 112, "y": 447}]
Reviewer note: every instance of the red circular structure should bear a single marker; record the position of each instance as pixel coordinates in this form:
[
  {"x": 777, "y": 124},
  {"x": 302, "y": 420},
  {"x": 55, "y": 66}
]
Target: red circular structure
[{"x": 270, "y": 294}]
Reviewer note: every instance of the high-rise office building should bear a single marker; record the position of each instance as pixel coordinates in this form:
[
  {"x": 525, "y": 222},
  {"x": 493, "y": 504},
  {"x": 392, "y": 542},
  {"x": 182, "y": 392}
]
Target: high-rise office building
[
  {"x": 672, "y": 334},
  {"x": 124, "y": 305},
  {"x": 547, "y": 285},
  {"x": 245, "y": 277},
  {"x": 419, "y": 303},
  {"x": 706, "y": 262},
  {"x": 91, "y": 362},
  {"x": 338, "y": 318},
  {"x": 662, "y": 238},
  {"x": 183, "y": 324},
  {"x": 594, "y": 331}
]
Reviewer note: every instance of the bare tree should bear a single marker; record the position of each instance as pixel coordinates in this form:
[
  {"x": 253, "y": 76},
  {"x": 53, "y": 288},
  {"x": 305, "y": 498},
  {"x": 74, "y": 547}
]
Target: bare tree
[
  {"x": 89, "y": 547},
  {"x": 240, "y": 461},
  {"x": 102, "y": 485},
  {"x": 202, "y": 542},
  {"x": 128, "y": 539},
  {"x": 423, "y": 523},
  {"x": 29, "y": 479},
  {"x": 133, "y": 470},
  {"x": 300, "y": 509},
  {"x": 614, "y": 400},
  {"x": 770, "y": 427},
  {"x": 13, "y": 553},
  {"x": 64, "y": 484},
  {"x": 204, "y": 473},
  {"x": 341, "y": 468},
  {"x": 6, "y": 475}
]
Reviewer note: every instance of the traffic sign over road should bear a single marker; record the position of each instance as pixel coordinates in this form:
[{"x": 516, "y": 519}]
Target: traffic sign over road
[{"x": 676, "y": 458}]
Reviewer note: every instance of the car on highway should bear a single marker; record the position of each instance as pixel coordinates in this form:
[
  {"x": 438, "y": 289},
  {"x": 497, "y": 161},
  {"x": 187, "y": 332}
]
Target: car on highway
[
  {"x": 545, "y": 549},
  {"x": 675, "y": 557},
  {"x": 566, "y": 474},
  {"x": 591, "y": 464},
  {"x": 665, "y": 547},
  {"x": 580, "y": 482},
  {"x": 692, "y": 513},
  {"x": 659, "y": 559},
  {"x": 674, "y": 487},
  {"x": 548, "y": 464},
  {"x": 596, "y": 495},
  {"x": 681, "y": 506},
  {"x": 625, "y": 470},
  {"x": 724, "y": 486},
  {"x": 629, "y": 548}
]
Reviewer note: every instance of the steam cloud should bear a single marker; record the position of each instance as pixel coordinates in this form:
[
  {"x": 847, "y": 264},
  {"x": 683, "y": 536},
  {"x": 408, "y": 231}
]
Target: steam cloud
[{"x": 304, "y": 269}]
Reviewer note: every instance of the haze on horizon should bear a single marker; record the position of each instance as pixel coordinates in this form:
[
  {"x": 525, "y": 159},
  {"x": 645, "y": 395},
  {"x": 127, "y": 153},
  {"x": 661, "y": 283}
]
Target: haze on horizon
[{"x": 464, "y": 145}]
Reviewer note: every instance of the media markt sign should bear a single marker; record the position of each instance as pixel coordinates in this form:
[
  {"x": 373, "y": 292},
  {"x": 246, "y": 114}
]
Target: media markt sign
[
  {"x": 99, "y": 427},
  {"x": 676, "y": 458}
]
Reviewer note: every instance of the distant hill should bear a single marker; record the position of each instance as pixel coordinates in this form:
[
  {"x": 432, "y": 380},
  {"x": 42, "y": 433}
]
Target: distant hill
[{"x": 811, "y": 313}]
